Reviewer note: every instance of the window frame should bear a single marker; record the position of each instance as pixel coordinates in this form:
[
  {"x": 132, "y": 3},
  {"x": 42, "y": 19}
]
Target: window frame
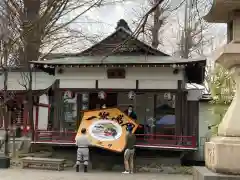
[{"x": 116, "y": 73}]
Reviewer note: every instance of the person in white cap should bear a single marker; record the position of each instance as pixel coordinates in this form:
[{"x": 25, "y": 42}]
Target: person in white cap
[{"x": 83, "y": 144}]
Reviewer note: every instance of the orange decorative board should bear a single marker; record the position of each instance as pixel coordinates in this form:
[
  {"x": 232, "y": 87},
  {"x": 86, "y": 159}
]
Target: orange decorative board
[{"x": 107, "y": 128}]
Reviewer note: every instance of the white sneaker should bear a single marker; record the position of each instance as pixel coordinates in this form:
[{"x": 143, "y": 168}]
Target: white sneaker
[{"x": 125, "y": 172}]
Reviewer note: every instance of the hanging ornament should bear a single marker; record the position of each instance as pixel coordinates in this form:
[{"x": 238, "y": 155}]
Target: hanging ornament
[
  {"x": 151, "y": 122},
  {"x": 28, "y": 128},
  {"x": 167, "y": 96},
  {"x": 85, "y": 97},
  {"x": 102, "y": 95},
  {"x": 173, "y": 97},
  {"x": 131, "y": 95},
  {"x": 68, "y": 95}
]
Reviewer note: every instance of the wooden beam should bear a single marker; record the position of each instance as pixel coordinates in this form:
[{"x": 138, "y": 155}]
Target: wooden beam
[
  {"x": 178, "y": 109},
  {"x": 94, "y": 90},
  {"x": 96, "y": 84},
  {"x": 137, "y": 84}
]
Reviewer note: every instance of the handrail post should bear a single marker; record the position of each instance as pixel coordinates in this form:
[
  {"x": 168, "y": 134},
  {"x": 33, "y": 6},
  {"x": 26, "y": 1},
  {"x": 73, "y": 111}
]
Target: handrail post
[
  {"x": 194, "y": 142},
  {"x": 36, "y": 135}
]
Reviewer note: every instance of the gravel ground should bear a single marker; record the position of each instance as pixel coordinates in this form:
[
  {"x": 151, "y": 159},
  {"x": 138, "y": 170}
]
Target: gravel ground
[{"x": 21, "y": 174}]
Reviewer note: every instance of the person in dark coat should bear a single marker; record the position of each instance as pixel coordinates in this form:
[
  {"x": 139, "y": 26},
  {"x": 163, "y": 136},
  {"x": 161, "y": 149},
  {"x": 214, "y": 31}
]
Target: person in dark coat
[{"x": 131, "y": 113}]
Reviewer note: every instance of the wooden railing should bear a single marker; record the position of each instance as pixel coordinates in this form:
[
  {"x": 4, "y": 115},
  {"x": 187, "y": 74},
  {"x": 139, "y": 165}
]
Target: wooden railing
[{"x": 154, "y": 140}]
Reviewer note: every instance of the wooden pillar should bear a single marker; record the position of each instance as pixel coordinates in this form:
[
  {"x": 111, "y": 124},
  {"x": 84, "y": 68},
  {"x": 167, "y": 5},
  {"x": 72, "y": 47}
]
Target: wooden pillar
[
  {"x": 56, "y": 105},
  {"x": 37, "y": 116},
  {"x": 1, "y": 114},
  {"x": 25, "y": 117},
  {"x": 193, "y": 118},
  {"x": 79, "y": 108},
  {"x": 178, "y": 109},
  {"x": 185, "y": 122},
  {"x": 196, "y": 122},
  {"x": 193, "y": 113}
]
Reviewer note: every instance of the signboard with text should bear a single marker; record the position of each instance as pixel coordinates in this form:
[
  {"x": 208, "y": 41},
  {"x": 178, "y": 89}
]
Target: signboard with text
[{"x": 107, "y": 128}]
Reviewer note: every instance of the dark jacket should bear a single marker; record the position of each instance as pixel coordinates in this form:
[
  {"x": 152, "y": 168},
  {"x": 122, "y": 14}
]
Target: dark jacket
[
  {"x": 130, "y": 141},
  {"x": 132, "y": 115}
]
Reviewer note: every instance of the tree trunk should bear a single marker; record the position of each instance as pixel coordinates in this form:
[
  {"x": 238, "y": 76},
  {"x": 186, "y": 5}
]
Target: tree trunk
[
  {"x": 5, "y": 97},
  {"x": 157, "y": 23},
  {"x": 31, "y": 30},
  {"x": 32, "y": 42}
]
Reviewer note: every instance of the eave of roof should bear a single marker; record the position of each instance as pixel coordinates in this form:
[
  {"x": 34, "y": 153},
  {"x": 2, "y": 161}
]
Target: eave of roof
[{"x": 119, "y": 60}]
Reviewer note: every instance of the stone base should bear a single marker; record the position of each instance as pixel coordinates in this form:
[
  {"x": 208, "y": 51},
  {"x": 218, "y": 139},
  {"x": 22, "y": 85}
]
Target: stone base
[
  {"x": 222, "y": 155},
  {"x": 202, "y": 173},
  {"x": 4, "y": 162}
]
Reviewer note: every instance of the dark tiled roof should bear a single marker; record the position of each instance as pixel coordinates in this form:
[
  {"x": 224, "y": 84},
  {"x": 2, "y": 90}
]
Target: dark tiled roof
[{"x": 120, "y": 42}]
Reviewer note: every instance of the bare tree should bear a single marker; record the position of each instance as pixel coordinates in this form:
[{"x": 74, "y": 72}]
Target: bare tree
[
  {"x": 194, "y": 40},
  {"x": 5, "y": 55},
  {"x": 193, "y": 33},
  {"x": 156, "y": 20},
  {"x": 33, "y": 24},
  {"x": 153, "y": 24},
  {"x": 40, "y": 20}
]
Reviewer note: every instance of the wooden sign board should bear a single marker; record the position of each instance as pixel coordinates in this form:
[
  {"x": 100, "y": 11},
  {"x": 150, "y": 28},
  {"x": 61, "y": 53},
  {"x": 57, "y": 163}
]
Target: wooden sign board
[{"x": 107, "y": 128}]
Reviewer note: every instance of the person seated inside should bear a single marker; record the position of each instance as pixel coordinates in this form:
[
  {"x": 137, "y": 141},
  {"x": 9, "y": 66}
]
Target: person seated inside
[{"x": 131, "y": 113}]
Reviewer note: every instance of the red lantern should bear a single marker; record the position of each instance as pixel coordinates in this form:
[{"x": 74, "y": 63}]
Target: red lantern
[{"x": 28, "y": 128}]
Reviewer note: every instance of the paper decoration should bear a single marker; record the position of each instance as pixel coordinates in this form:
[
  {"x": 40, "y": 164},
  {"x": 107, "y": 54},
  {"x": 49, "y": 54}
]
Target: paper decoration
[
  {"x": 131, "y": 95},
  {"x": 102, "y": 95},
  {"x": 68, "y": 95},
  {"x": 167, "y": 96},
  {"x": 151, "y": 122}
]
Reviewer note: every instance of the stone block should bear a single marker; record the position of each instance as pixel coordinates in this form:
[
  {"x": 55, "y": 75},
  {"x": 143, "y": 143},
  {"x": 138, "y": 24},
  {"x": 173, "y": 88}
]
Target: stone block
[
  {"x": 202, "y": 173},
  {"x": 222, "y": 155}
]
